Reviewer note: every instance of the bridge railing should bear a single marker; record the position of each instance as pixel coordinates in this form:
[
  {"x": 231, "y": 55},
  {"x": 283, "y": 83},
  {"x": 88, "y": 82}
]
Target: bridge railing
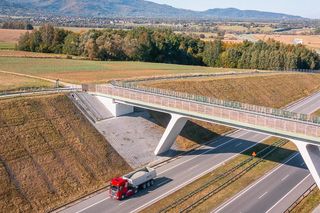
[{"x": 224, "y": 103}]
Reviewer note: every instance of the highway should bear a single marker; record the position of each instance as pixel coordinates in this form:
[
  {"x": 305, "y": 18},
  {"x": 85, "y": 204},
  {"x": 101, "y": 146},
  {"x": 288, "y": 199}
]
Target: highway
[
  {"x": 277, "y": 190},
  {"x": 187, "y": 168}
]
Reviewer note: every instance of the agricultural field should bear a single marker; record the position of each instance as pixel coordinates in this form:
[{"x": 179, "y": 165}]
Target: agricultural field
[
  {"x": 25, "y": 54},
  {"x": 12, "y": 82},
  {"x": 273, "y": 90},
  {"x": 311, "y": 41},
  {"x": 11, "y": 36},
  {"x": 50, "y": 154},
  {"x": 7, "y": 46},
  {"x": 85, "y": 71}
]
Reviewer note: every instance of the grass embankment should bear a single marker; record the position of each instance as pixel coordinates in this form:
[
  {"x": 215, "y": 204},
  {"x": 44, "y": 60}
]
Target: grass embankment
[
  {"x": 12, "y": 82},
  {"x": 85, "y": 71},
  {"x": 276, "y": 90},
  {"x": 50, "y": 154},
  {"x": 308, "y": 204},
  {"x": 273, "y": 91}
]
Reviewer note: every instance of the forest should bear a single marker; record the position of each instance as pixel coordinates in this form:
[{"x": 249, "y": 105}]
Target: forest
[{"x": 165, "y": 46}]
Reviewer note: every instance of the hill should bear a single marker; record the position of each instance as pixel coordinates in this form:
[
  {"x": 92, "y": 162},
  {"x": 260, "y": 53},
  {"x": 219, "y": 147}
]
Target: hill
[{"x": 128, "y": 8}]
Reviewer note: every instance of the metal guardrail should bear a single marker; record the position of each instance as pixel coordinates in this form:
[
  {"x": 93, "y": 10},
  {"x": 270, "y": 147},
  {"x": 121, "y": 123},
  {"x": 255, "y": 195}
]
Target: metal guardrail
[
  {"x": 301, "y": 198},
  {"x": 38, "y": 90},
  {"x": 224, "y": 103}
]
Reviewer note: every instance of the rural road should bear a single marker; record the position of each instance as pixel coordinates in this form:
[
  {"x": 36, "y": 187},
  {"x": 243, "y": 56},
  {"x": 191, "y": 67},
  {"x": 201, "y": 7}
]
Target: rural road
[
  {"x": 187, "y": 168},
  {"x": 42, "y": 78}
]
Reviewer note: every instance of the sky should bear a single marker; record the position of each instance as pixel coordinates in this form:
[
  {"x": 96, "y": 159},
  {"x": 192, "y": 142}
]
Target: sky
[{"x": 304, "y": 8}]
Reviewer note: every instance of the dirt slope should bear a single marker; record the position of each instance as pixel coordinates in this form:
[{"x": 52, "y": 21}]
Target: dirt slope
[{"x": 49, "y": 154}]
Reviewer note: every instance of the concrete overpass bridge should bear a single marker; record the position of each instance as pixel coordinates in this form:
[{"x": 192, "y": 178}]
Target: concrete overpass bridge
[{"x": 303, "y": 130}]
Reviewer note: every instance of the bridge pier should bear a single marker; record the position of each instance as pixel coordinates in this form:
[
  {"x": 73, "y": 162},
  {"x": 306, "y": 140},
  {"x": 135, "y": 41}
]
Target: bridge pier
[
  {"x": 171, "y": 133},
  {"x": 311, "y": 156}
]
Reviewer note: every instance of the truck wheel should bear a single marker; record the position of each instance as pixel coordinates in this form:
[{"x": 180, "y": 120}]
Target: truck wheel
[
  {"x": 148, "y": 184},
  {"x": 152, "y": 182},
  {"x": 144, "y": 186}
]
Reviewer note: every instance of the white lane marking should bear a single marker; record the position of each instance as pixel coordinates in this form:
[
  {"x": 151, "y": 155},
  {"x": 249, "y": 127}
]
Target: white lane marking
[
  {"x": 285, "y": 178},
  {"x": 88, "y": 207},
  {"x": 254, "y": 184},
  {"x": 123, "y": 202},
  {"x": 238, "y": 144},
  {"x": 174, "y": 189},
  {"x": 193, "y": 167},
  {"x": 163, "y": 182},
  {"x": 228, "y": 141},
  {"x": 189, "y": 181},
  {"x": 262, "y": 195},
  {"x": 288, "y": 193}
]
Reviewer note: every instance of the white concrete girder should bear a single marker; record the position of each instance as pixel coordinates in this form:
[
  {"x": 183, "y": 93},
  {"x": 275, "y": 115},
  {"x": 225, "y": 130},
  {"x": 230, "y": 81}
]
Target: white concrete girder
[
  {"x": 171, "y": 133},
  {"x": 311, "y": 157}
]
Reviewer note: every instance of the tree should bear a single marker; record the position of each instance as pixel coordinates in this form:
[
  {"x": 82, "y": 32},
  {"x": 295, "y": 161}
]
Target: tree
[
  {"x": 211, "y": 53},
  {"x": 71, "y": 44}
]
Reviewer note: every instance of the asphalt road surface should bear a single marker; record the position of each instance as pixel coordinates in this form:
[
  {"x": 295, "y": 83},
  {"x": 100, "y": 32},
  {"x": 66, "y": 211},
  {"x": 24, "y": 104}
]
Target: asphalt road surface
[
  {"x": 277, "y": 190},
  {"x": 189, "y": 167}
]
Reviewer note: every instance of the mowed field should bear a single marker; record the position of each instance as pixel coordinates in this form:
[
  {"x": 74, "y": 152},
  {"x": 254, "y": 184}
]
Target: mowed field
[
  {"x": 85, "y": 71},
  {"x": 273, "y": 90},
  {"x": 50, "y": 154},
  {"x": 8, "y": 38},
  {"x": 12, "y": 82},
  {"x": 311, "y": 41}
]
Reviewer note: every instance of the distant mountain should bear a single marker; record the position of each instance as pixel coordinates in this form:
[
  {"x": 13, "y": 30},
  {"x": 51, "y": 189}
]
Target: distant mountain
[{"x": 127, "y": 8}]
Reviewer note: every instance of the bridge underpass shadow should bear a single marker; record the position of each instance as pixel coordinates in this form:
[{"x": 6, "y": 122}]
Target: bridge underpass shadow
[{"x": 225, "y": 144}]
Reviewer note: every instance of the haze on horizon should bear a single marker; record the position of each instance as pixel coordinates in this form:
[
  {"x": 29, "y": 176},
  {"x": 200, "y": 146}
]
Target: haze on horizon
[{"x": 292, "y": 7}]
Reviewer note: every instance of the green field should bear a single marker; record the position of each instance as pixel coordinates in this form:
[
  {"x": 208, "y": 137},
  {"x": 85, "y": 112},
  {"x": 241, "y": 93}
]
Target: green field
[
  {"x": 12, "y": 83},
  {"x": 84, "y": 71},
  {"x": 7, "y": 46}
]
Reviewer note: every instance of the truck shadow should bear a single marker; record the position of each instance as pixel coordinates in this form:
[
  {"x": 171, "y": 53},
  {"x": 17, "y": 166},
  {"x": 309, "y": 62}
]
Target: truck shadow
[{"x": 158, "y": 182}]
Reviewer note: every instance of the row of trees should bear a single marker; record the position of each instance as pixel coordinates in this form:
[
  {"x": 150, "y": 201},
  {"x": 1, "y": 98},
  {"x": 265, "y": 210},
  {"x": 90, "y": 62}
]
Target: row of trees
[
  {"x": 165, "y": 46},
  {"x": 17, "y": 25}
]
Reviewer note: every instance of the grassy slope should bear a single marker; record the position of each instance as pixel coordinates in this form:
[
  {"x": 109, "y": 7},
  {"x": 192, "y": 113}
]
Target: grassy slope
[
  {"x": 309, "y": 203},
  {"x": 273, "y": 91},
  {"x": 50, "y": 154},
  {"x": 12, "y": 82},
  {"x": 83, "y": 71}
]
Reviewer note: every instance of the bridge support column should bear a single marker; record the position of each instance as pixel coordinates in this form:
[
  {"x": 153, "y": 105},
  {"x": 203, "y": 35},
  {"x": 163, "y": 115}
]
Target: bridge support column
[
  {"x": 311, "y": 156},
  {"x": 171, "y": 133}
]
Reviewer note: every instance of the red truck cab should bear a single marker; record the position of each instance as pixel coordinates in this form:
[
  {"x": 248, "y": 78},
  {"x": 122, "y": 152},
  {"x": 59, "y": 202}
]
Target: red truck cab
[{"x": 120, "y": 189}]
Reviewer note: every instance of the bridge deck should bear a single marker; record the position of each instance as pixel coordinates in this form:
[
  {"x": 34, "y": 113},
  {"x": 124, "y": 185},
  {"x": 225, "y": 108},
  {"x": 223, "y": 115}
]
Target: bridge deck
[{"x": 286, "y": 127}]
